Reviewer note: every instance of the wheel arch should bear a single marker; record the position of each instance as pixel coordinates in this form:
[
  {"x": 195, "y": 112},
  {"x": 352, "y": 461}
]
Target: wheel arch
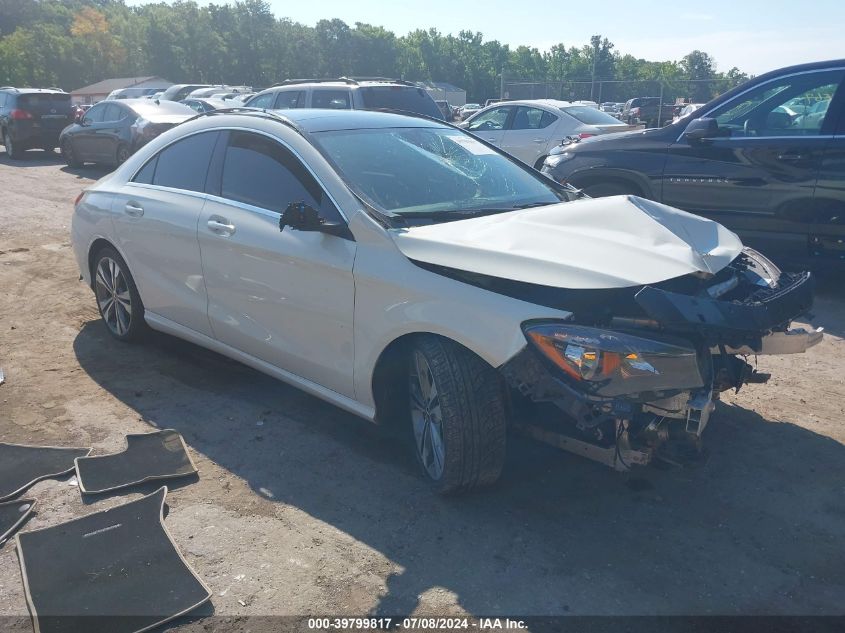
[
  {"x": 387, "y": 380},
  {"x": 594, "y": 176}
]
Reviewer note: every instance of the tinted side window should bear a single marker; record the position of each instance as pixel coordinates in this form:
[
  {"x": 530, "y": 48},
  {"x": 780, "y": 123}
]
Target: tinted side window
[
  {"x": 260, "y": 172},
  {"x": 531, "y": 119},
  {"x": 262, "y": 101},
  {"x": 332, "y": 99},
  {"x": 290, "y": 99},
  {"x": 790, "y": 106},
  {"x": 113, "y": 113},
  {"x": 184, "y": 165},
  {"x": 147, "y": 172},
  {"x": 95, "y": 114}
]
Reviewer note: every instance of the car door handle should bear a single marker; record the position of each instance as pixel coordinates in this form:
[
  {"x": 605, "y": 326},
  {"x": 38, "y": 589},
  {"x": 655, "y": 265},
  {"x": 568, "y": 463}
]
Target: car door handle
[
  {"x": 221, "y": 226},
  {"x": 791, "y": 157},
  {"x": 490, "y": 140},
  {"x": 539, "y": 140},
  {"x": 134, "y": 209}
]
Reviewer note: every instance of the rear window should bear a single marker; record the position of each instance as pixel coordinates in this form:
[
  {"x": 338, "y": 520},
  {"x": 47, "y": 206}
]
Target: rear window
[
  {"x": 148, "y": 108},
  {"x": 45, "y": 101},
  {"x": 591, "y": 116},
  {"x": 405, "y": 98}
]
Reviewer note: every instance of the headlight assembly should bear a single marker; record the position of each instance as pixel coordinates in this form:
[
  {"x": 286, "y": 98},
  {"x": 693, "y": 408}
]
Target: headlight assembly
[{"x": 609, "y": 364}]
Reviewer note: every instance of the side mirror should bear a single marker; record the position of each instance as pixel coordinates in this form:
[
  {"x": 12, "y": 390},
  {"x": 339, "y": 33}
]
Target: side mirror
[
  {"x": 303, "y": 217},
  {"x": 701, "y": 129}
]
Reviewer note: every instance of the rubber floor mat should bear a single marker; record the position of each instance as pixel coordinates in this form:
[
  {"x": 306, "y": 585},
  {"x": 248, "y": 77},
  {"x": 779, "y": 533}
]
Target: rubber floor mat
[
  {"x": 13, "y": 514},
  {"x": 22, "y": 465},
  {"x": 114, "y": 571},
  {"x": 148, "y": 456}
]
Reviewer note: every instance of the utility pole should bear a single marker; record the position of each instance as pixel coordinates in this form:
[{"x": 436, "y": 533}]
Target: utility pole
[{"x": 593, "y": 83}]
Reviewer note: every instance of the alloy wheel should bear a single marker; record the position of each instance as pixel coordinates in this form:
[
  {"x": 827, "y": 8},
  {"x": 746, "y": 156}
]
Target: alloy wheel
[
  {"x": 113, "y": 296},
  {"x": 426, "y": 417}
]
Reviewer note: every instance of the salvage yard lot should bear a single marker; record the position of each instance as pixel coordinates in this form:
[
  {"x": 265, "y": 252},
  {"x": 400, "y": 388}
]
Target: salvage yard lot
[{"x": 301, "y": 508}]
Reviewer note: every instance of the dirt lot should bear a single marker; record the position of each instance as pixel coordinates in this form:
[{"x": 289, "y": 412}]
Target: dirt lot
[{"x": 301, "y": 508}]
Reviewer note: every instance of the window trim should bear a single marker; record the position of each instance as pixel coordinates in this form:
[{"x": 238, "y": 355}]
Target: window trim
[
  {"x": 221, "y": 129},
  {"x": 763, "y": 83}
]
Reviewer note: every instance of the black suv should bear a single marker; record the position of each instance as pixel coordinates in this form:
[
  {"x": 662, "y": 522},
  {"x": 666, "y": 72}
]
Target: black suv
[
  {"x": 766, "y": 159},
  {"x": 32, "y": 118}
]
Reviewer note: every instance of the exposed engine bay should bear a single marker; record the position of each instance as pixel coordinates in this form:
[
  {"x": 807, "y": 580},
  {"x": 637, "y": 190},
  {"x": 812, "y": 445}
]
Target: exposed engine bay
[{"x": 635, "y": 373}]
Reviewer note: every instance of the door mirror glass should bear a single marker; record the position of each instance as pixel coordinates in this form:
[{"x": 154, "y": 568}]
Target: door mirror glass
[{"x": 704, "y": 128}]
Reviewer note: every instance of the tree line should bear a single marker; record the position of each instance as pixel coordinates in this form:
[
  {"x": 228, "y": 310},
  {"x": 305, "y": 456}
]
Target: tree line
[{"x": 73, "y": 43}]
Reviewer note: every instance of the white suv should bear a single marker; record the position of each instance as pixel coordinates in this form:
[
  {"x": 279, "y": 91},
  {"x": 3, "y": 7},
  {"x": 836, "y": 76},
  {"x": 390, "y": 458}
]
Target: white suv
[
  {"x": 345, "y": 93},
  {"x": 408, "y": 272}
]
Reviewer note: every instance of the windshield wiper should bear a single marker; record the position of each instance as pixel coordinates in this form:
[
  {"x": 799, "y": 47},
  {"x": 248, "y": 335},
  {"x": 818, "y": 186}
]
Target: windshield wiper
[{"x": 531, "y": 205}]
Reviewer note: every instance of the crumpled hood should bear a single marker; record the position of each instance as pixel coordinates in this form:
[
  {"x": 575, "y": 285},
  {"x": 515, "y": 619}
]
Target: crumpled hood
[{"x": 614, "y": 242}]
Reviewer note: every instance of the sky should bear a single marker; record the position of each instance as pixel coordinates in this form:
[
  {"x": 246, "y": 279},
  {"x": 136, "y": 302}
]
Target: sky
[{"x": 753, "y": 35}]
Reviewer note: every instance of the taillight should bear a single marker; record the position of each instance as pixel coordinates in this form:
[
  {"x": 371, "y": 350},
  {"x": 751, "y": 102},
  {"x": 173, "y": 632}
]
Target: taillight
[
  {"x": 78, "y": 198},
  {"x": 20, "y": 114},
  {"x": 583, "y": 135}
]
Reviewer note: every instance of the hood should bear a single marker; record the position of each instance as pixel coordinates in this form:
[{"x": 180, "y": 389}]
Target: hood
[{"x": 615, "y": 242}]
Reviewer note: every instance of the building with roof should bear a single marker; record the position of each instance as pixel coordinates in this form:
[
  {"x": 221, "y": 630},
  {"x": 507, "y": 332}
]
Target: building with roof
[
  {"x": 100, "y": 90},
  {"x": 441, "y": 90}
]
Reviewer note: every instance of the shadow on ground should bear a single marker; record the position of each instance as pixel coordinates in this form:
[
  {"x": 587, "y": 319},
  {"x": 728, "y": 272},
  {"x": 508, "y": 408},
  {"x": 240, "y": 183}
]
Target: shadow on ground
[
  {"x": 40, "y": 158},
  {"x": 759, "y": 528}
]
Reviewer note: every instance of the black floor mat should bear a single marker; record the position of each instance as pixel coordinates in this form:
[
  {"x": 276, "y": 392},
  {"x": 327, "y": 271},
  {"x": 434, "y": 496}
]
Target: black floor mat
[
  {"x": 12, "y": 516},
  {"x": 21, "y": 465},
  {"x": 148, "y": 456},
  {"x": 114, "y": 571}
]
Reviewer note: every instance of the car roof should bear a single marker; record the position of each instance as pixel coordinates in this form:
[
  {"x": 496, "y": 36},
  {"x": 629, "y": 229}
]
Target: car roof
[
  {"x": 29, "y": 91},
  {"x": 315, "y": 120}
]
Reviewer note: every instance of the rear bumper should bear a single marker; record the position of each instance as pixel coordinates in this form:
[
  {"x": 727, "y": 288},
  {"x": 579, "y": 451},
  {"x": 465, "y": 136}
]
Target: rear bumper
[{"x": 28, "y": 135}]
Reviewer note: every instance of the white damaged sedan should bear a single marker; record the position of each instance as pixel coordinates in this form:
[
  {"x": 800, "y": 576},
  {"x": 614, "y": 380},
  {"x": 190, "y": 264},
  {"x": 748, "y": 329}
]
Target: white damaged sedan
[{"x": 416, "y": 276}]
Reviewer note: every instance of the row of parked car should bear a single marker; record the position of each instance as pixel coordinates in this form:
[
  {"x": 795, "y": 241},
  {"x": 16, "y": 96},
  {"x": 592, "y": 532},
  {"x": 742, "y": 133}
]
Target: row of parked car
[{"x": 763, "y": 159}]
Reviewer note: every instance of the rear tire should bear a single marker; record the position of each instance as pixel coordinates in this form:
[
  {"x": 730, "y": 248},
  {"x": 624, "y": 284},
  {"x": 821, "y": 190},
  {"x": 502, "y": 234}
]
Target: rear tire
[
  {"x": 121, "y": 155},
  {"x": 117, "y": 296},
  {"x": 457, "y": 411},
  {"x": 12, "y": 150},
  {"x": 539, "y": 164}
]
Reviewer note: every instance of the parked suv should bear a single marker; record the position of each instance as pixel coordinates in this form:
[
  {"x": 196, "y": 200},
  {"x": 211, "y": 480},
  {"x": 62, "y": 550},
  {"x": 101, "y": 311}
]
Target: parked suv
[
  {"x": 33, "y": 118},
  {"x": 417, "y": 276},
  {"x": 645, "y": 110},
  {"x": 749, "y": 161},
  {"x": 347, "y": 94}
]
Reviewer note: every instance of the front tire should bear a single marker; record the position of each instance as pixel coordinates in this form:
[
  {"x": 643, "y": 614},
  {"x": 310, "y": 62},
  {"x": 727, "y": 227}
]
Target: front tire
[
  {"x": 117, "y": 296},
  {"x": 69, "y": 154},
  {"x": 457, "y": 412}
]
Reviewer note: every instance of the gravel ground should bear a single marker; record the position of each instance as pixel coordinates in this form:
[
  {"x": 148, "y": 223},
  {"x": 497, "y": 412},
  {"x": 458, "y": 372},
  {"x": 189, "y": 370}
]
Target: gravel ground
[{"x": 301, "y": 508}]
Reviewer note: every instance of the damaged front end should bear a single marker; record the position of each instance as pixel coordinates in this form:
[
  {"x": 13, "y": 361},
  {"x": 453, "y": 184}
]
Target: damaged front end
[{"x": 634, "y": 375}]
